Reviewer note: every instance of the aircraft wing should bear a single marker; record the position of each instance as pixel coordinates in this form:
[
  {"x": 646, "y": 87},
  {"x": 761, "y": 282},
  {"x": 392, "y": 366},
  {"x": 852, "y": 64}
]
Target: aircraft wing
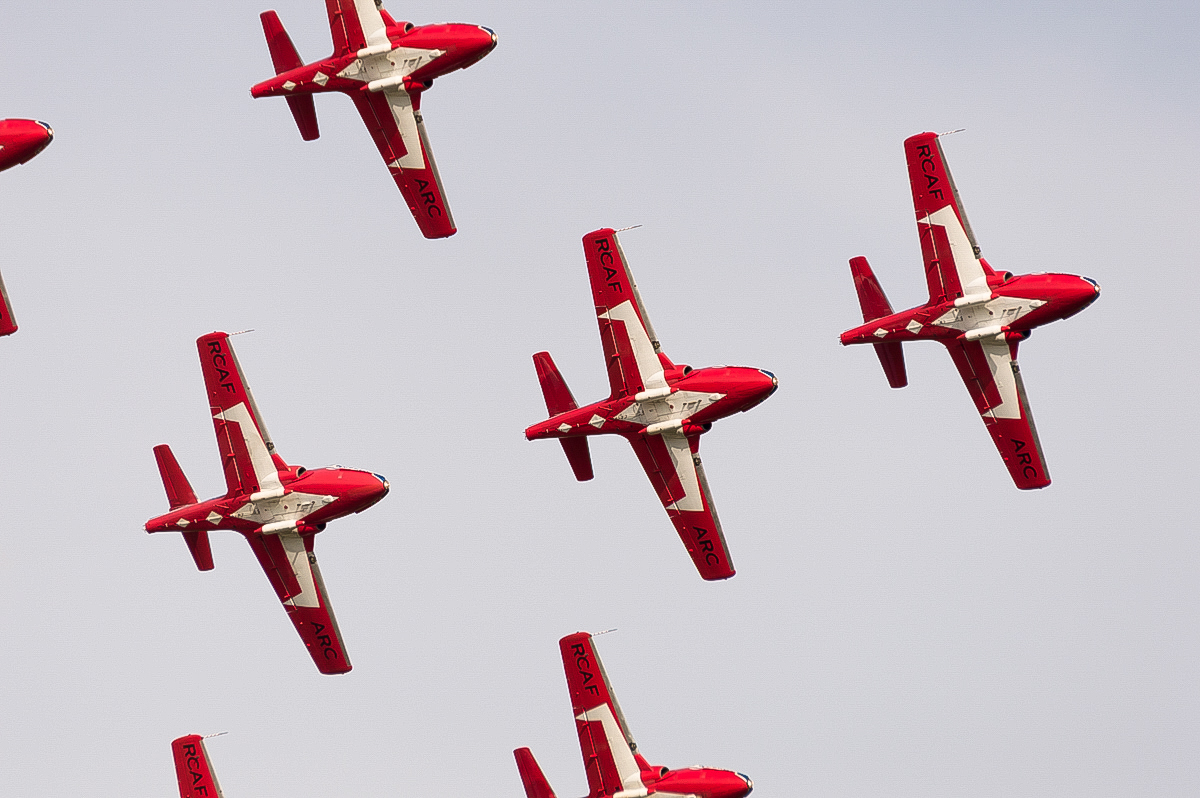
[
  {"x": 291, "y": 566},
  {"x": 672, "y": 462},
  {"x": 952, "y": 264},
  {"x": 8, "y": 323},
  {"x": 394, "y": 118},
  {"x": 631, "y": 349},
  {"x": 993, "y": 378},
  {"x": 355, "y": 24},
  {"x": 246, "y": 447},
  {"x": 192, "y": 770}
]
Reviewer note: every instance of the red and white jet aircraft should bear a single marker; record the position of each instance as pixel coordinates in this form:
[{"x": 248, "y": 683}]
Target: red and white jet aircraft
[
  {"x": 384, "y": 66},
  {"x": 662, "y": 409},
  {"x": 278, "y": 508},
  {"x": 614, "y": 767},
  {"x": 192, "y": 771},
  {"x": 20, "y": 140},
  {"x": 979, "y": 314}
]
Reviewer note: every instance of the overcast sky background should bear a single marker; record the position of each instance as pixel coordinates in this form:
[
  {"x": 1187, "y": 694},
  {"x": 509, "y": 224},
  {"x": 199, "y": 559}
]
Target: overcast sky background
[{"x": 904, "y": 622}]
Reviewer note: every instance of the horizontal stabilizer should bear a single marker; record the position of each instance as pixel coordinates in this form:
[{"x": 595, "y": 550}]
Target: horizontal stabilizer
[
  {"x": 579, "y": 456},
  {"x": 559, "y": 400},
  {"x": 532, "y": 777},
  {"x": 875, "y": 305},
  {"x": 179, "y": 490},
  {"x": 554, "y": 387},
  {"x": 285, "y": 58}
]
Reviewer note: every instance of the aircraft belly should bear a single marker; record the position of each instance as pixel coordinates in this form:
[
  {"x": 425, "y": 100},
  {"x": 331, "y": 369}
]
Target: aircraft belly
[
  {"x": 291, "y": 507},
  {"x": 679, "y": 405},
  {"x": 1003, "y": 310}
]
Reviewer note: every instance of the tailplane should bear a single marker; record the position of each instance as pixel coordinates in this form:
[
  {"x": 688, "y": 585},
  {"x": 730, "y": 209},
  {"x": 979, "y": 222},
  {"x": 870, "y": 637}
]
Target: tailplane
[
  {"x": 285, "y": 58},
  {"x": 532, "y": 777},
  {"x": 196, "y": 779},
  {"x": 180, "y": 494},
  {"x": 875, "y": 305},
  {"x": 559, "y": 400}
]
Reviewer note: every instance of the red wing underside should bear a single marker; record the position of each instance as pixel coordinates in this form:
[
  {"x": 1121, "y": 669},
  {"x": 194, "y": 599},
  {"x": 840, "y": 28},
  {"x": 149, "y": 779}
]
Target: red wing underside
[
  {"x": 394, "y": 120},
  {"x": 631, "y": 349},
  {"x": 673, "y": 465},
  {"x": 993, "y": 378},
  {"x": 354, "y": 25},
  {"x": 8, "y": 324},
  {"x": 291, "y": 567},
  {"x": 952, "y": 265}
]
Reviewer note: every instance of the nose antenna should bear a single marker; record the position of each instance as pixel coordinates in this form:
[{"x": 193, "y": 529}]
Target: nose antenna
[
  {"x": 622, "y": 230},
  {"x": 951, "y": 132},
  {"x": 240, "y": 332}
]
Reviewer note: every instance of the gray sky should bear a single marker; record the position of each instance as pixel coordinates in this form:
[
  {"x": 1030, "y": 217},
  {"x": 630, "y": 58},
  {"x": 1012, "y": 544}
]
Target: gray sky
[{"x": 904, "y": 622}]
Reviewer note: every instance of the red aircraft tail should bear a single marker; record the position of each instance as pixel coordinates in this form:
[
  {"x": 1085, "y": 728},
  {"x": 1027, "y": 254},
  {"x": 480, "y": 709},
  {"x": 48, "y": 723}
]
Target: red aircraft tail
[
  {"x": 196, "y": 779},
  {"x": 559, "y": 400},
  {"x": 875, "y": 305},
  {"x": 535, "y": 782},
  {"x": 285, "y": 58},
  {"x": 180, "y": 494}
]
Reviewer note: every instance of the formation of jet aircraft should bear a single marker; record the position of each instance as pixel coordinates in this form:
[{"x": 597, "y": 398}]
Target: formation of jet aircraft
[
  {"x": 662, "y": 409},
  {"x": 615, "y": 768},
  {"x": 384, "y": 66},
  {"x": 20, "y": 140},
  {"x": 278, "y": 508},
  {"x": 979, "y": 314}
]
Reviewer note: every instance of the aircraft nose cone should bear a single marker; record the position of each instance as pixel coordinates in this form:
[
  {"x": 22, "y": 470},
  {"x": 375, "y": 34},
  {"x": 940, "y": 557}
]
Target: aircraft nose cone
[
  {"x": 49, "y": 132},
  {"x": 749, "y": 783},
  {"x": 490, "y": 33}
]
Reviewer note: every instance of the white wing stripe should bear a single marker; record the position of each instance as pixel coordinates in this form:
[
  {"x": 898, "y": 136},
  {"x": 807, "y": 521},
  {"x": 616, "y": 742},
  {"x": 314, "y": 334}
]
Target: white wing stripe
[
  {"x": 298, "y": 557},
  {"x": 371, "y": 22},
  {"x": 402, "y": 112},
  {"x": 970, "y": 273},
  {"x": 999, "y": 358},
  {"x": 627, "y": 767},
  {"x": 260, "y": 459},
  {"x": 685, "y": 469},
  {"x": 648, "y": 365}
]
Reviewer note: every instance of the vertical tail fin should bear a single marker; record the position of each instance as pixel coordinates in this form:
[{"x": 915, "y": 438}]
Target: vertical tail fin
[
  {"x": 535, "y": 782},
  {"x": 285, "y": 58},
  {"x": 609, "y": 752},
  {"x": 196, "y": 779},
  {"x": 559, "y": 400},
  {"x": 180, "y": 494},
  {"x": 875, "y": 305}
]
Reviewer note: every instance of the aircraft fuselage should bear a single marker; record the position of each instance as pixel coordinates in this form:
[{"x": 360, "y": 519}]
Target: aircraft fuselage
[
  {"x": 307, "y": 501},
  {"x": 691, "y": 401},
  {"x": 21, "y": 140},
  {"x": 1011, "y": 308},
  {"x": 413, "y": 57}
]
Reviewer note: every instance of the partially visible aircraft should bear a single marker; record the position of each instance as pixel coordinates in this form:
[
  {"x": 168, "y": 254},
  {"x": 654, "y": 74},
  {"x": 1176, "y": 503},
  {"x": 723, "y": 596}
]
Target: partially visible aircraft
[
  {"x": 662, "y": 409},
  {"x": 278, "y": 508},
  {"x": 192, "y": 771},
  {"x": 384, "y": 66},
  {"x": 615, "y": 768},
  {"x": 20, "y": 140},
  {"x": 981, "y": 315}
]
